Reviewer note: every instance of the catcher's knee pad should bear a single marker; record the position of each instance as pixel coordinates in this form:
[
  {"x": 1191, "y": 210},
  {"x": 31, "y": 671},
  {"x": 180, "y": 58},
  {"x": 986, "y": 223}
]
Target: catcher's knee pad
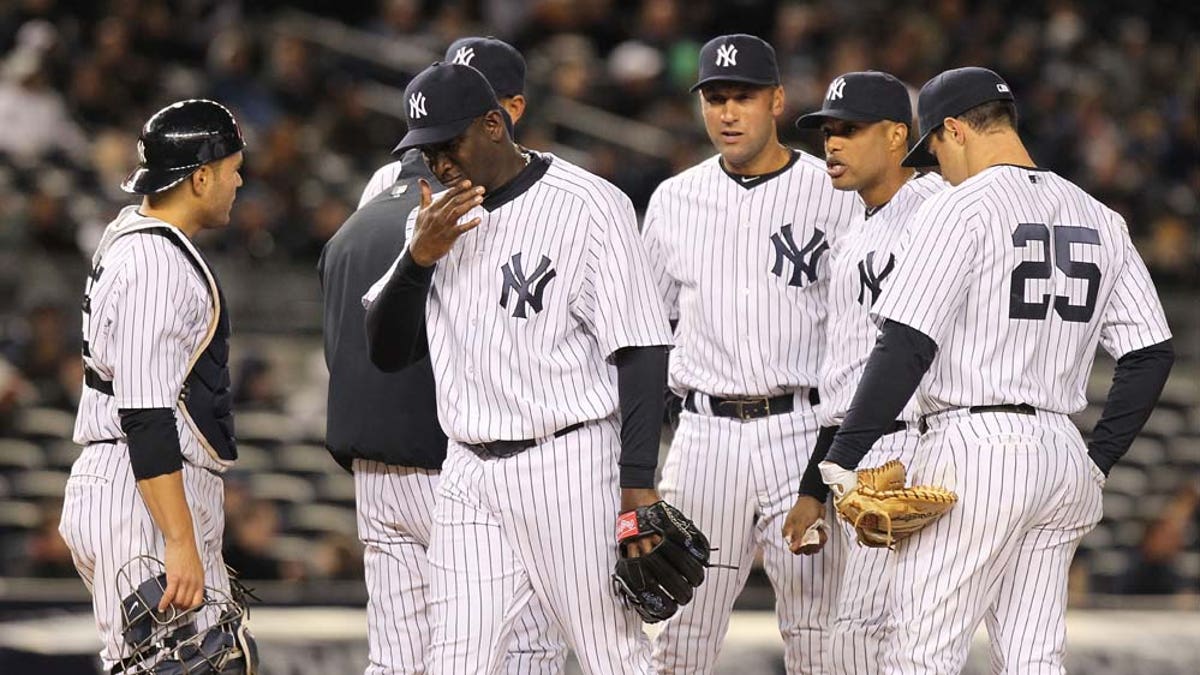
[{"x": 168, "y": 643}]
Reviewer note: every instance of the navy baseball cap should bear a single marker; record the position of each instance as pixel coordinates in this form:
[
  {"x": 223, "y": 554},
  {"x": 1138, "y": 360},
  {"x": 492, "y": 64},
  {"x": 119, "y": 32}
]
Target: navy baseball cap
[
  {"x": 738, "y": 58},
  {"x": 951, "y": 94},
  {"x": 870, "y": 96},
  {"x": 442, "y": 101},
  {"x": 500, "y": 62}
]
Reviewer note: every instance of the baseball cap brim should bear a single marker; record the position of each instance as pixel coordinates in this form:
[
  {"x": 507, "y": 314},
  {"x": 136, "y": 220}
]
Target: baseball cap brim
[
  {"x": 814, "y": 120},
  {"x": 920, "y": 157},
  {"x": 416, "y": 138},
  {"x": 144, "y": 181},
  {"x": 735, "y": 79}
]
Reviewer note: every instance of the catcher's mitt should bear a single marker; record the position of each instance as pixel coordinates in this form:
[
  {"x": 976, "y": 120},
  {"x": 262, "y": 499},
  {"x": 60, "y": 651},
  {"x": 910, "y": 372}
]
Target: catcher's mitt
[
  {"x": 883, "y": 512},
  {"x": 657, "y": 583}
]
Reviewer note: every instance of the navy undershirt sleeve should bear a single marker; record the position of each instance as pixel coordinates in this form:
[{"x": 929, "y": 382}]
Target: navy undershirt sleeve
[
  {"x": 1137, "y": 383},
  {"x": 641, "y": 377},
  {"x": 153, "y": 441},
  {"x": 900, "y": 359},
  {"x": 396, "y": 320},
  {"x": 811, "y": 484}
]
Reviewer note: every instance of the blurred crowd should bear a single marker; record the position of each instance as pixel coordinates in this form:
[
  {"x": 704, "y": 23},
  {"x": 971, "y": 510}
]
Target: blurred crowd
[{"x": 1108, "y": 96}]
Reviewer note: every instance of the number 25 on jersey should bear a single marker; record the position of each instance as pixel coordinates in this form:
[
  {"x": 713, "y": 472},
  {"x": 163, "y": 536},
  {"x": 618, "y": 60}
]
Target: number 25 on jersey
[{"x": 1064, "y": 236}]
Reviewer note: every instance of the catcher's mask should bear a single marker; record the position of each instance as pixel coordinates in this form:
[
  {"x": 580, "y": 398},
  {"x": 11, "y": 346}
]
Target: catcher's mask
[{"x": 168, "y": 643}]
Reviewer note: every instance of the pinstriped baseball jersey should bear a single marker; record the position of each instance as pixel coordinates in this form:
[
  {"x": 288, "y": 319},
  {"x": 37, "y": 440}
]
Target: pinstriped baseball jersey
[
  {"x": 742, "y": 265},
  {"x": 1017, "y": 275},
  {"x": 382, "y": 179},
  {"x": 861, "y": 262},
  {"x": 146, "y": 313},
  {"x": 526, "y": 309}
]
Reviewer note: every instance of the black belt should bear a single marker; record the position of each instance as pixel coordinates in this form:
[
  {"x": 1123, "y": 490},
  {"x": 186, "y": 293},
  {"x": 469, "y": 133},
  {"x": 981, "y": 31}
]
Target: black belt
[
  {"x": 749, "y": 408},
  {"x": 1012, "y": 408},
  {"x": 92, "y": 379},
  {"x": 501, "y": 449}
]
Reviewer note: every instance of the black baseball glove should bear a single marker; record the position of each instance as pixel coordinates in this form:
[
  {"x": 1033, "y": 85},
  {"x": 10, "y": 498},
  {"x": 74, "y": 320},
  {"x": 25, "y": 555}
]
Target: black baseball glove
[{"x": 657, "y": 583}]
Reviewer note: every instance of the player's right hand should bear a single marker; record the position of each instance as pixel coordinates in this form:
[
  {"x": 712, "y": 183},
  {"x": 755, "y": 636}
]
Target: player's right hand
[
  {"x": 437, "y": 226},
  {"x": 805, "y": 518},
  {"x": 185, "y": 576}
]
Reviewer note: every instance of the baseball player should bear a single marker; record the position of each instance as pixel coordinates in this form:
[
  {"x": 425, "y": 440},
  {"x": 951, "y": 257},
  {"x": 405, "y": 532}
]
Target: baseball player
[
  {"x": 739, "y": 245},
  {"x": 504, "y": 68},
  {"x": 396, "y": 465},
  {"x": 154, "y": 418},
  {"x": 865, "y": 121},
  {"x": 1003, "y": 287},
  {"x": 530, "y": 283}
]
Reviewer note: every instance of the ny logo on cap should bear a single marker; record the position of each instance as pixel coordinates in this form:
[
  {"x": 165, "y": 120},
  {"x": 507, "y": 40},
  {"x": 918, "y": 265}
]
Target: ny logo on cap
[
  {"x": 836, "y": 88},
  {"x": 464, "y": 55},
  {"x": 416, "y": 106},
  {"x": 1002, "y": 88},
  {"x": 727, "y": 55}
]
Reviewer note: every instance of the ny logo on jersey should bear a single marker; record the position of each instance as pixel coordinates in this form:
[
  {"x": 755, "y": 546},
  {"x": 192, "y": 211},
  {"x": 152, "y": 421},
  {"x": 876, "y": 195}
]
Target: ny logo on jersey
[
  {"x": 416, "y": 106},
  {"x": 464, "y": 55},
  {"x": 527, "y": 289},
  {"x": 804, "y": 260},
  {"x": 836, "y": 88},
  {"x": 727, "y": 56},
  {"x": 870, "y": 280}
]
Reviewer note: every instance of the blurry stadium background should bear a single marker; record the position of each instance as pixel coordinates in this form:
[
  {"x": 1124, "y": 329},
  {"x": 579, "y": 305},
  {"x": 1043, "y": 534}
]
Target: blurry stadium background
[{"x": 1108, "y": 95}]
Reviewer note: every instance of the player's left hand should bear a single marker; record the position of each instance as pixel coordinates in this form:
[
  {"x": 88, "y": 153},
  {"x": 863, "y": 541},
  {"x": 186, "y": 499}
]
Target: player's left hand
[
  {"x": 631, "y": 499},
  {"x": 804, "y": 529}
]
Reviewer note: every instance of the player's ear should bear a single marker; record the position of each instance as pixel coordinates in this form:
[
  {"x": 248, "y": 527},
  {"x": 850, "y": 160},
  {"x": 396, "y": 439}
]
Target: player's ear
[
  {"x": 515, "y": 105},
  {"x": 955, "y": 129},
  {"x": 493, "y": 125},
  {"x": 899, "y": 137},
  {"x": 778, "y": 101},
  {"x": 201, "y": 179}
]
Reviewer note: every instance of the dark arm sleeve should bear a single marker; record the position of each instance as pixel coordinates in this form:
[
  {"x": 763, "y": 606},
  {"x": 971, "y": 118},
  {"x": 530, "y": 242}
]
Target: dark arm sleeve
[
  {"x": 1137, "y": 383},
  {"x": 153, "y": 441},
  {"x": 811, "y": 484},
  {"x": 641, "y": 377},
  {"x": 396, "y": 320},
  {"x": 899, "y": 361}
]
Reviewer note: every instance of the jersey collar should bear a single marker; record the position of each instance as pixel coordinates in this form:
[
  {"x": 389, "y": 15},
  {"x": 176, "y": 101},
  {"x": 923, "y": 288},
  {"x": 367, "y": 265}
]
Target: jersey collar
[
  {"x": 751, "y": 182},
  {"x": 532, "y": 173}
]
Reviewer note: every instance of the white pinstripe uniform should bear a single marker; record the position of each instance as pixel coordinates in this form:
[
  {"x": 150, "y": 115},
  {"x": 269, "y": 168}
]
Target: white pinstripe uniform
[
  {"x": 522, "y": 316},
  {"x": 861, "y": 261},
  {"x": 148, "y": 314},
  {"x": 1017, "y": 275},
  {"x": 740, "y": 265},
  {"x": 383, "y": 179},
  {"x": 395, "y": 506}
]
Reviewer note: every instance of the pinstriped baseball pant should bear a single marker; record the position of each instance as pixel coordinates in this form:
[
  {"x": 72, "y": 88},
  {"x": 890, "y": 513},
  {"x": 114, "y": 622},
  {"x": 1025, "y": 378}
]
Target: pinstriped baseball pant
[
  {"x": 539, "y": 524},
  {"x": 737, "y": 480},
  {"x": 863, "y": 620},
  {"x": 1028, "y": 492},
  {"x": 106, "y": 524},
  {"x": 395, "y": 517}
]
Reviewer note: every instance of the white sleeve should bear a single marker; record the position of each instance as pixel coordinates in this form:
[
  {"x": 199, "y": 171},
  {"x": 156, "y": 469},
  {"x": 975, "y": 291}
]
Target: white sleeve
[
  {"x": 656, "y": 252},
  {"x": 934, "y": 265},
  {"x": 621, "y": 303},
  {"x": 1134, "y": 317},
  {"x": 156, "y": 318}
]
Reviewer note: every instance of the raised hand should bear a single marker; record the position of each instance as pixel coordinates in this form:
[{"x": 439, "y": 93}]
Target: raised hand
[{"x": 437, "y": 226}]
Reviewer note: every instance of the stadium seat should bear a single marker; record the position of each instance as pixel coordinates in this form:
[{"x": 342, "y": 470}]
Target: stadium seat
[
  {"x": 45, "y": 423},
  {"x": 254, "y": 458},
  {"x": 17, "y": 516},
  {"x": 263, "y": 428},
  {"x": 1127, "y": 480},
  {"x": 39, "y": 484},
  {"x": 19, "y": 454},
  {"x": 61, "y": 454},
  {"x": 281, "y": 488},
  {"x": 319, "y": 518},
  {"x": 337, "y": 487},
  {"x": 304, "y": 458}
]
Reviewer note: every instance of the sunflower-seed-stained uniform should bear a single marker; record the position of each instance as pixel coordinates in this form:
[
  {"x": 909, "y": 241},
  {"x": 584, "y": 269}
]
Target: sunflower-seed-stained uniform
[{"x": 742, "y": 262}]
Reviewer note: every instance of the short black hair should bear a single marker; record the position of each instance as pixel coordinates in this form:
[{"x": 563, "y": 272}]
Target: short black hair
[{"x": 990, "y": 115}]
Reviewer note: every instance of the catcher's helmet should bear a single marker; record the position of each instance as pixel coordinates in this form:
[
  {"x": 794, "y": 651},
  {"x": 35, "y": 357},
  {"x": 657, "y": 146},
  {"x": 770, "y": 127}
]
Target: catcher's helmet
[
  {"x": 168, "y": 643},
  {"x": 179, "y": 139}
]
